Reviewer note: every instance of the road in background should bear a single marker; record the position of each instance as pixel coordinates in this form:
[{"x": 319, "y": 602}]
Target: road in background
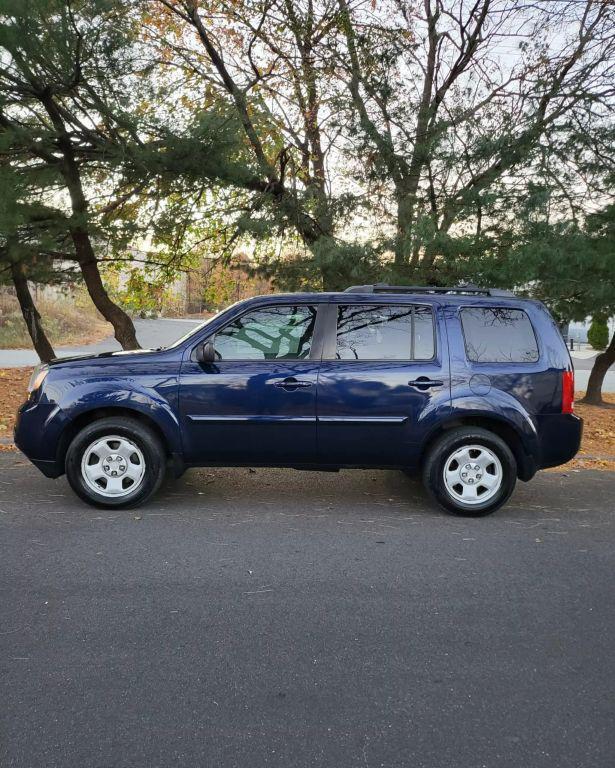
[
  {"x": 150, "y": 334},
  {"x": 294, "y": 619}
]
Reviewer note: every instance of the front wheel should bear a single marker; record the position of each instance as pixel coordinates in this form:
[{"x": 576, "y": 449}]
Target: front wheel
[
  {"x": 115, "y": 462},
  {"x": 470, "y": 471}
]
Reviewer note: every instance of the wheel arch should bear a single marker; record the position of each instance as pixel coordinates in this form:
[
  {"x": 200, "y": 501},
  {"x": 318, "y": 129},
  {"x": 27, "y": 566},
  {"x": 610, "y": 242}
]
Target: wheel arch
[
  {"x": 84, "y": 418},
  {"x": 526, "y": 463}
]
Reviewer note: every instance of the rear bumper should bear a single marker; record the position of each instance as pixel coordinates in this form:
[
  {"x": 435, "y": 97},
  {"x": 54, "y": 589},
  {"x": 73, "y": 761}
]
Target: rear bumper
[{"x": 560, "y": 438}]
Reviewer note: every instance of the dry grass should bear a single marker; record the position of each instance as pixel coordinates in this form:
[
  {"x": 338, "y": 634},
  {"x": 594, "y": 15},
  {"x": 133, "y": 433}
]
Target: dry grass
[
  {"x": 67, "y": 322},
  {"x": 13, "y": 385},
  {"x": 598, "y": 446}
]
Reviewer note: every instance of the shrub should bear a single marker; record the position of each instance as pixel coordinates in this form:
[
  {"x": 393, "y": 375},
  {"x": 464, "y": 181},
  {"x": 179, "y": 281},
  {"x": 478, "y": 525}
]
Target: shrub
[{"x": 598, "y": 334}]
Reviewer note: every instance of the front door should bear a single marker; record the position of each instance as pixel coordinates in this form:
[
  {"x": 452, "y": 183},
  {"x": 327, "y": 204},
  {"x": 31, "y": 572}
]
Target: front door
[
  {"x": 257, "y": 402},
  {"x": 384, "y": 373}
]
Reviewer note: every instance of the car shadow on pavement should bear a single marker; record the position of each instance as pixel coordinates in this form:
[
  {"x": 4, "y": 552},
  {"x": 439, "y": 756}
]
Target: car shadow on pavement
[
  {"x": 251, "y": 493},
  {"x": 375, "y": 492}
]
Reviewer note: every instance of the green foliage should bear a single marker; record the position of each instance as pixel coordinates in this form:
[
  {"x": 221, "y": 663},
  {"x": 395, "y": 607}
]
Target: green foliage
[
  {"x": 322, "y": 185},
  {"x": 573, "y": 265},
  {"x": 330, "y": 264},
  {"x": 30, "y": 232},
  {"x": 144, "y": 290},
  {"x": 598, "y": 334},
  {"x": 76, "y": 76}
]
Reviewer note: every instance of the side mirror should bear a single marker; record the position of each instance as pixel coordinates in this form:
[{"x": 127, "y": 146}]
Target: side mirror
[{"x": 205, "y": 352}]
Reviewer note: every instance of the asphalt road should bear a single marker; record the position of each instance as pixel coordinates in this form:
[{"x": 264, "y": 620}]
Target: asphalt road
[{"x": 279, "y": 618}]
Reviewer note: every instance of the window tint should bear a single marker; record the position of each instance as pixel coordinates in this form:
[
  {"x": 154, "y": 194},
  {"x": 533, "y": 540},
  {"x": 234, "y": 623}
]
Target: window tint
[
  {"x": 498, "y": 335},
  {"x": 384, "y": 333},
  {"x": 272, "y": 333}
]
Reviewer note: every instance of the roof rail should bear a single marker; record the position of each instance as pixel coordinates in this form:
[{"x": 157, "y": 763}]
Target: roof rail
[{"x": 463, "y": 289}]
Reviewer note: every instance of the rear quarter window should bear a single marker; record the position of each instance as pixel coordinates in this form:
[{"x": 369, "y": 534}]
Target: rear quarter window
[{"x": 498, "y": 335}]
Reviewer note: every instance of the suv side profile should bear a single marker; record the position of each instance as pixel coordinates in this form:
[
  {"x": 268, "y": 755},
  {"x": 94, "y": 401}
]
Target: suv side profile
[{"x": 472, "y": 388}]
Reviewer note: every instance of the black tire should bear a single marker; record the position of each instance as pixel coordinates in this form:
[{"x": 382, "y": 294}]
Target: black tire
[
  {"x": 139, "y": 434},
  {"x": 442, "y": 450}
]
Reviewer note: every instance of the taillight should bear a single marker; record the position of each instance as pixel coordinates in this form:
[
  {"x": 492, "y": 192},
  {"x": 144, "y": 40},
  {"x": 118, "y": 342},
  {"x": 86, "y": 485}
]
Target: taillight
[{"x": 568, "y": 392}]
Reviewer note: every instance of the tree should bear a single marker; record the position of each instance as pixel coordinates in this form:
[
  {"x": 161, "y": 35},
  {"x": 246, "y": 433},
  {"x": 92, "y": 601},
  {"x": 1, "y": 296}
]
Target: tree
[
  {"x": 452, "y": 119},
  {"x": 63, "y": 68},
  {"x": 602, "y": 363},
  {"x": 598, "y": 334},
  {"x": 567, "y": 263},
  {"x": 601, "y": 226},
  {"x": 30, "y": 313},
  {"x": 29, "y": 244},
  {"x": 268, "y": 62}
]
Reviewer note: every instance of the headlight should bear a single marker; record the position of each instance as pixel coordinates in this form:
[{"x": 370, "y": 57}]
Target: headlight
[{"x": 39, "y": 374}]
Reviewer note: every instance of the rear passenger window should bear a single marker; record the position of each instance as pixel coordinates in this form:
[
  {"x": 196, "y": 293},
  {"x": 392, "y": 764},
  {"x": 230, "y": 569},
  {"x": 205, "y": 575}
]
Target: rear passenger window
[
  {"x": 498, "y": 335},
  {"x": 387, "y": 332}
]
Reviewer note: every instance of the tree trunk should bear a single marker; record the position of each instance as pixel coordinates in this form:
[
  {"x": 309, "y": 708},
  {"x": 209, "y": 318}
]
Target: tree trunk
[
  {"x": 30, "y": 313},
  {"x": 405, "y": 222},
  {"x": 123, "y": 328},
  {"x": 603, "y": 362}
]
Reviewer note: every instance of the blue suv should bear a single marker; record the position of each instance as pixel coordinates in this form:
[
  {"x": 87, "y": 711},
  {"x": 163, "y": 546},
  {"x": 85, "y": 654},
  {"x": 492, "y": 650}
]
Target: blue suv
[{"x": 471, "y": 388}]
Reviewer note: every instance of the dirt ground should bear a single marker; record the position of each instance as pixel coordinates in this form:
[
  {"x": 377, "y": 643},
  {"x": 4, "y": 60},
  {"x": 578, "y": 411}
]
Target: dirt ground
[
  {"x": 598, "y": 446},
  {"x": 13, "y": 384},
  {"x": 597, "y": 450}
]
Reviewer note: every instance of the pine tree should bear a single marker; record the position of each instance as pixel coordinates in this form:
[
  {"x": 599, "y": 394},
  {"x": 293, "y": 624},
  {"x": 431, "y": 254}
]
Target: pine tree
[{"x": 63, "y": 69}]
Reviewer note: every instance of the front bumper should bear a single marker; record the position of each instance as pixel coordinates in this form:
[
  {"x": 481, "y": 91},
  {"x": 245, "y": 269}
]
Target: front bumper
[{"x": 37, "y": 433}]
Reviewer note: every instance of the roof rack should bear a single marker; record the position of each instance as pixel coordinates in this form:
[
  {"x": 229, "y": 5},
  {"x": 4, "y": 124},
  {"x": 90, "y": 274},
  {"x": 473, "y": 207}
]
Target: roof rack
[{"x": 463, "y": 289}]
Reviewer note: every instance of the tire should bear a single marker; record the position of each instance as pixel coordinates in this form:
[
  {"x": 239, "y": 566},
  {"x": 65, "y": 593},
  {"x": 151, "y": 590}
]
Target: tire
[
  {"x": 126, "y": 463},
  {"x": 488, "y": 463}
]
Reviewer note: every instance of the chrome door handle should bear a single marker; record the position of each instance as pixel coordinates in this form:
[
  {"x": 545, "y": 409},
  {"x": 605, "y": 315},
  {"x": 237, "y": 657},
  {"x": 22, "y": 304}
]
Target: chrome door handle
[
  {"x": 424, "y": 383},
  {"x": 290, "y": 384}
]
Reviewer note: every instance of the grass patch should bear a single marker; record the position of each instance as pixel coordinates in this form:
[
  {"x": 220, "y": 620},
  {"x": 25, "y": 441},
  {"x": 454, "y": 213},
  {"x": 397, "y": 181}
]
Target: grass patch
[{"x": 67, "y": 322}]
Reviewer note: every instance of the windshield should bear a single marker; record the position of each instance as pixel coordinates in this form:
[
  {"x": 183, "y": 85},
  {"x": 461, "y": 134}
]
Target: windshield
[
  {"x": 192, "y": 332},
  {"x": 205, "y": 323}
]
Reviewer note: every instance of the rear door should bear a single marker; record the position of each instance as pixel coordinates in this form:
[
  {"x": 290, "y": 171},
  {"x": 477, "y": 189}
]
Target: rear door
[
  {"x": 384, "y": 375},
  {"x": 257, "y": 402}
]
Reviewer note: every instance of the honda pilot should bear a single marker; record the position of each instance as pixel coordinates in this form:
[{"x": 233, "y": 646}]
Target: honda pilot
[{"x": 470, "y": 388}]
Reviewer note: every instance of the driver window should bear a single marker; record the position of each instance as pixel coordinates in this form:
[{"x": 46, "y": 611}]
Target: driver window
[{"x": 271, "y": 333}]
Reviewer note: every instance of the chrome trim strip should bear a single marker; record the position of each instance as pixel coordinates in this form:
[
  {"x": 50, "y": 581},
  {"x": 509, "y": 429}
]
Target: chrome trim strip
[
  {"x": 364, "y": 419},
  {"x": 256, "y": 418},
  {"x": 327, "y": 419}
]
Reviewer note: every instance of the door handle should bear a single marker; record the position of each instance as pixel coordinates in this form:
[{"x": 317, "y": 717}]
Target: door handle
[
  {"x": 290, "y": 384},
  {"x": 424, "y": 383}
]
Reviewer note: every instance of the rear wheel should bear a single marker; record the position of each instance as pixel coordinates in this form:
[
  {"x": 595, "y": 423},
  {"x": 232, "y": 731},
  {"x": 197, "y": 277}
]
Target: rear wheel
[
  {"x": 470, "y": 471},
  {"x": 115, "y": 462}
]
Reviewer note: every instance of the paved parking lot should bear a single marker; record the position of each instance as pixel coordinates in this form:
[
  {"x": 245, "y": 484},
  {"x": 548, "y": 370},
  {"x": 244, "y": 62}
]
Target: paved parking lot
[{"x": 278, "y": 618}]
